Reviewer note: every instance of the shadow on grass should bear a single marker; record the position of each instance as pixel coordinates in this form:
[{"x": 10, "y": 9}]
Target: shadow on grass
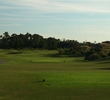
[
  {"x": 15, "y": 52},
  {"x": 52, "y": 55},
  {"x": 108, "y": 58},
  {"x": 63, "y": 55},
  {"x": 104, "y": 61},
  {"x": 38, "y": 81},
  {"x": 107, "y": 62},
  {"x": 101, "y": 61},
  {"x": 81, "y": 60},
  {"x": 103, "y": 68}
]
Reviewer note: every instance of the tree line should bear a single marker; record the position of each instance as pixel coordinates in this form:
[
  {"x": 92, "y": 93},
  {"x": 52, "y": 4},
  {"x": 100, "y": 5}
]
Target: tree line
[
  {"x": 91, "y": 51},
  {"x": 33, "y": 41}
]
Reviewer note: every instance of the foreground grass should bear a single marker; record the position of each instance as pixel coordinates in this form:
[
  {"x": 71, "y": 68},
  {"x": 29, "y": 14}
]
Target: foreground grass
[{"x": 66, "y": 78}]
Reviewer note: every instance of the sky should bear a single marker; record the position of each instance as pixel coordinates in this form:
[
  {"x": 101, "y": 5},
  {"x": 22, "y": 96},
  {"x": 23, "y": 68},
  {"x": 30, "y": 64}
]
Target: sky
[{"x": 81, "y": 20}]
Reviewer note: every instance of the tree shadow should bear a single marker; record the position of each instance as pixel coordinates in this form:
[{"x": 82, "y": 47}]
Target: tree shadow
[
  {"x": 52, "y": 55},
  {"x": 17, "y": 52},
  {"x": 107, "y": 62},
  {"x": 63, "y": 55},
  {"x": 104, "y": 59},
  {"x": 103, "y": 68}
]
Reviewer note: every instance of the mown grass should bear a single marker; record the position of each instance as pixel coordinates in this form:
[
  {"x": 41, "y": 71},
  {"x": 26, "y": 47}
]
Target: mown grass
[{"x": 66, "y": 78}]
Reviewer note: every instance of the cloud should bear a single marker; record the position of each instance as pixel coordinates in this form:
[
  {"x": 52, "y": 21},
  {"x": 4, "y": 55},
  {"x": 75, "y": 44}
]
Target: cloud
[
  {"x": 17, "y": 19},
  {"x": 92, "y": 29},
  {"x": 8, "y": 14},
  {"x": 88, "y": 7},
  {"x": 10, "y": 24},
  {"x": 53, "y": 6}
]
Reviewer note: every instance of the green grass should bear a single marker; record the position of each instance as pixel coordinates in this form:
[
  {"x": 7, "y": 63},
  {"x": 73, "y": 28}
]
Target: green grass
[{"x": 66, "y": 78}]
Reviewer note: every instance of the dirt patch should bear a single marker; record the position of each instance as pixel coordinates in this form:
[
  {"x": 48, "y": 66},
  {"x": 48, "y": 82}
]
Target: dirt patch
[{"x": 2, "y": 61}]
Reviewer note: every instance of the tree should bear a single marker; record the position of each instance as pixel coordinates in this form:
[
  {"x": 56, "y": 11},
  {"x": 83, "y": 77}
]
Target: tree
[
  {"x": 6, "y": 35},
  {"x": 52, "y": 43},
  {"x": 37, "y": 41}
]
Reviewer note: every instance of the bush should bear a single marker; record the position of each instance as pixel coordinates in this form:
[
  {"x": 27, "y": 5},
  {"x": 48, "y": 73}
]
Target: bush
[
  {"x": 108, "y": 54},
  {"x": 93, "y": 56},
  {"x": 88, "y": 55},
  {"x": 61, "y": 51},
  {"x": 103, "y": 55},
  {"x": 74, "y": 52}
]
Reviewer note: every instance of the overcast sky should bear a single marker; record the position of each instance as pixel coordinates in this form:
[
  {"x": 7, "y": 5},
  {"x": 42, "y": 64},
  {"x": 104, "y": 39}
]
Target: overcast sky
[{"x": 70, "y": 19}]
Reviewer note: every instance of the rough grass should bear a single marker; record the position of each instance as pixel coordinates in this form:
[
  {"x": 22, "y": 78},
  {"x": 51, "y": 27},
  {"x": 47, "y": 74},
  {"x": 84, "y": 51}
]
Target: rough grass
[{"x": 66, "y": 78}]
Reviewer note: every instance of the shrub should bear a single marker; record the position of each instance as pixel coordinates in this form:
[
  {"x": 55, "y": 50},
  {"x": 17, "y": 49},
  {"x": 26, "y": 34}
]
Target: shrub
[
  {"x": 74, "y": 52},
  {"x": 61, "y": 51},
  {"x": 92, "y": 56},
  {"x": 88, "y": 55},
  {"x": 108, "y": 54},
  {"x": 103, "y": 55}
]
